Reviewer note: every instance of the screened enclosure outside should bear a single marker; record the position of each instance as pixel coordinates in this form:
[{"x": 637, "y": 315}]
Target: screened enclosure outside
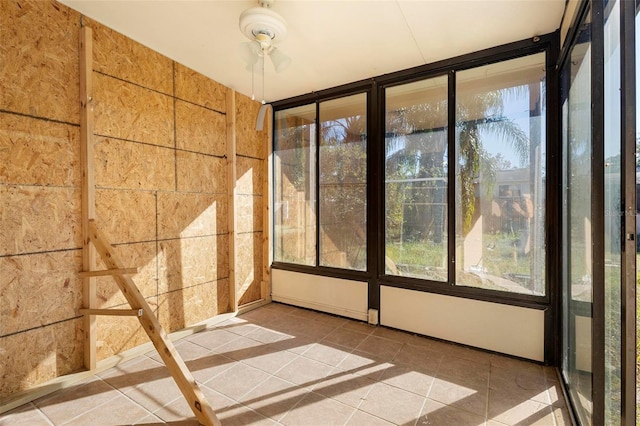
[
  {"x": 295, "y": 188},
  {"x": 500, "y": 176},
  {"x": 416, "y": 180}
]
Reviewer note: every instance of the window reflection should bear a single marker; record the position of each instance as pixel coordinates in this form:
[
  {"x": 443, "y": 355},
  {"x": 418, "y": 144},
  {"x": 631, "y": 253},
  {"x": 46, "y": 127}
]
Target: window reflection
[
  {"x": 343, "y": 182},
  {"x": 295, "y": 189},
  {"x": 416, "y": 180},
  {"x": 577, "y": 245},
  {"x": 500, "y": 176}
]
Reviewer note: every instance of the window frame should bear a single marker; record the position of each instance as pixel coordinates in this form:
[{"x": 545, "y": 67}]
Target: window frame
[
  {"x": 357, "y": 88},
  {"x": 375, "y": 89}
]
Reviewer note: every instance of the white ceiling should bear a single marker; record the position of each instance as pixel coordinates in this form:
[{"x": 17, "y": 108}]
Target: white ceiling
[{"x": 331, "y": 42}]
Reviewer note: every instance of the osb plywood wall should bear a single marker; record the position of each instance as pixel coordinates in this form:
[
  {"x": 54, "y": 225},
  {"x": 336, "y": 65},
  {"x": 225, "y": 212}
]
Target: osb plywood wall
[{"x": 161, "y": 190}]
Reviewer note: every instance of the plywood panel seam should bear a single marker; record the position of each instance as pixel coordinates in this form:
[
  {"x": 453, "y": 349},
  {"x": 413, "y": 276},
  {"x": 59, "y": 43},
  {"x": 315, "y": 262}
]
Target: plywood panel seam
[
  {"x": 36, "y": 117},
  {"x": 33, "y": 185},
  {"x": 175, "y": 125},
  {"x": 132, "y": 83},
  {"x": 99, "y": 135},
  {"x": 126, "y": 243},
  {"x": 157, "y": 241},
  {"x": 221, "y": 157},
  {"x": 251, "y": 194},
  {"x": 164, "y": 192},
  {"x": 188, "y": 237},
  {"x": 49, "y": 324},
  {"x": 112, "y": 188},
  {"x": 249, "y": 157},
  {"x": 152, "y": 299},
  {"x": 201, "y": 106},
  {"x": 194, "y": 286},
  {"x": 181, "y": 192},
  {"x": 38, "y": 252}
]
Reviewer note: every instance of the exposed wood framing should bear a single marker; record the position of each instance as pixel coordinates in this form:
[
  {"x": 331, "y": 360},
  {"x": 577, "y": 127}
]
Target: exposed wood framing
[
  {"x": 265, "y": 289},
  {"x": 94, "y": 242},
  {"x": 176, "y": 366},
  {"x": 231, "y": 195},
  {"x": 88, "y": 192},
  {"x": 108, "y": 272}
]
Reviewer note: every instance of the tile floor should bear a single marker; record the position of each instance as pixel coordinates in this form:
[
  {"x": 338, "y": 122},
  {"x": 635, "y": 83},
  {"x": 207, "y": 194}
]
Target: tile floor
[{"x": 284, "y": 365}]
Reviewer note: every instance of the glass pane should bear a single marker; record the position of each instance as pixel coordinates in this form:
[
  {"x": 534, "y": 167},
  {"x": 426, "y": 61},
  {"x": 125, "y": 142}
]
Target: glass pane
[
  {"x": 416, "y": 180},
  {"x": 577, "y": 261},
  {"x": 343, "y": 182},
  {"x": 295, "y": 188},
  {"x": 500, "y": 176},
  {"x": 613, "y": 215}
]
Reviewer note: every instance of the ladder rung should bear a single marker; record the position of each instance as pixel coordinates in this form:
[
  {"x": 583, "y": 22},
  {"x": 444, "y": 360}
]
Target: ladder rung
[
  {"x": 117, "y": 312},
  {"x": 122, "y": 271}
]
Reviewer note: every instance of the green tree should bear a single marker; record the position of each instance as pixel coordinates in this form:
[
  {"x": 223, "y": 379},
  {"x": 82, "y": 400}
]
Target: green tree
[{"x": 481, "y": 115}]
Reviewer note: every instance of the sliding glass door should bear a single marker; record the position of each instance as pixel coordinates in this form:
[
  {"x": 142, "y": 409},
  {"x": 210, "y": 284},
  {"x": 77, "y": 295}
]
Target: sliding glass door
[
  {"x": 614, "y": 214},
  {"x": 598, "y": 237},
  {"x": 577, "y": 286}
]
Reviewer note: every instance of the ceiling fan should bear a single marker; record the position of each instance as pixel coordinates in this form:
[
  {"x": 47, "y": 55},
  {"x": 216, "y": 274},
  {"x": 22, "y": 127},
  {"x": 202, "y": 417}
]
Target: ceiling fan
[{"x": 264, "y": 28}]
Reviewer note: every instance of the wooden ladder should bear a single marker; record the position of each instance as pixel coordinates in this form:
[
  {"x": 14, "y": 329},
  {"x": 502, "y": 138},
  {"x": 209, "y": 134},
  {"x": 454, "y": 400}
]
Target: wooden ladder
[
  {"x": 95, "y": 242},
  {"x": 148, "y": 320}
]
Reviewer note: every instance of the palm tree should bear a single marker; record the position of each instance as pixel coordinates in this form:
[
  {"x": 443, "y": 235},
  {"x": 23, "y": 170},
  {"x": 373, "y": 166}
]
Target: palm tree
[{"x": 410, "y": 140}]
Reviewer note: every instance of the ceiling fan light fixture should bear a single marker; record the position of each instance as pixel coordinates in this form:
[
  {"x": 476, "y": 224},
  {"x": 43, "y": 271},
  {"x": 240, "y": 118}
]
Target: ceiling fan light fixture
[
  {"x": 250, "y": 52},
  {"x": 279, "y": 59}
]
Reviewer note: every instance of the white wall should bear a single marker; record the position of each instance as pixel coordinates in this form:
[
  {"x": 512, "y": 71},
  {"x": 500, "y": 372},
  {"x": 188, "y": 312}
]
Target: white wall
[
  {"x": 332, "y": 295},
  {"x": 502, "y": 328}
]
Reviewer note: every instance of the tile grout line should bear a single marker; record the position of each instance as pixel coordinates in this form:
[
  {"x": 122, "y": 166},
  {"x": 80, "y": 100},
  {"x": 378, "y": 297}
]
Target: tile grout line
[
  {"x": 42, "y": 414},
  {"x": 338, "y": 370},
  {"x": 136, "y": 402},
  {"x": 118, "y": 392},
  {"x": 149, "y": 412},
  {"x": 424, "y": 403},
  {"x": 272, "y": 375}
]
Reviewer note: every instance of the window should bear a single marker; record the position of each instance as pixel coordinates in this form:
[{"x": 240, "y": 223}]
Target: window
[
  {"x": 336, "y": 170},
  {"x": 295, "y": 189},
  {"x": 454, "y": 177},
  {"x": 577, "y": 219},
  {"x": 613, "y": 214},
  {"x": 343, "y": 182},
  {"x": 416, "y": 180},
  {"x": 500, "y": 176}
]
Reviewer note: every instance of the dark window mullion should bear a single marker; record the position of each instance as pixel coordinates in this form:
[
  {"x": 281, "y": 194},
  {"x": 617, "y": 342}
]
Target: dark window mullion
[
  {"x": 628, "y": 138},
  {"x": 597, "y": 210},
  {"x": 317, "y": 206},
  {"x": 553, "y": 211},
  {"x": 374, "y": 191},
  {"x": 451, "y": 179}
]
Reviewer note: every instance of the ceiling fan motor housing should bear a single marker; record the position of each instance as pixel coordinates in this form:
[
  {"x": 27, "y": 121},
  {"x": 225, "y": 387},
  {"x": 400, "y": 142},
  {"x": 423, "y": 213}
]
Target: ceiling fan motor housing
[{"x": 258, "y": 22}]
